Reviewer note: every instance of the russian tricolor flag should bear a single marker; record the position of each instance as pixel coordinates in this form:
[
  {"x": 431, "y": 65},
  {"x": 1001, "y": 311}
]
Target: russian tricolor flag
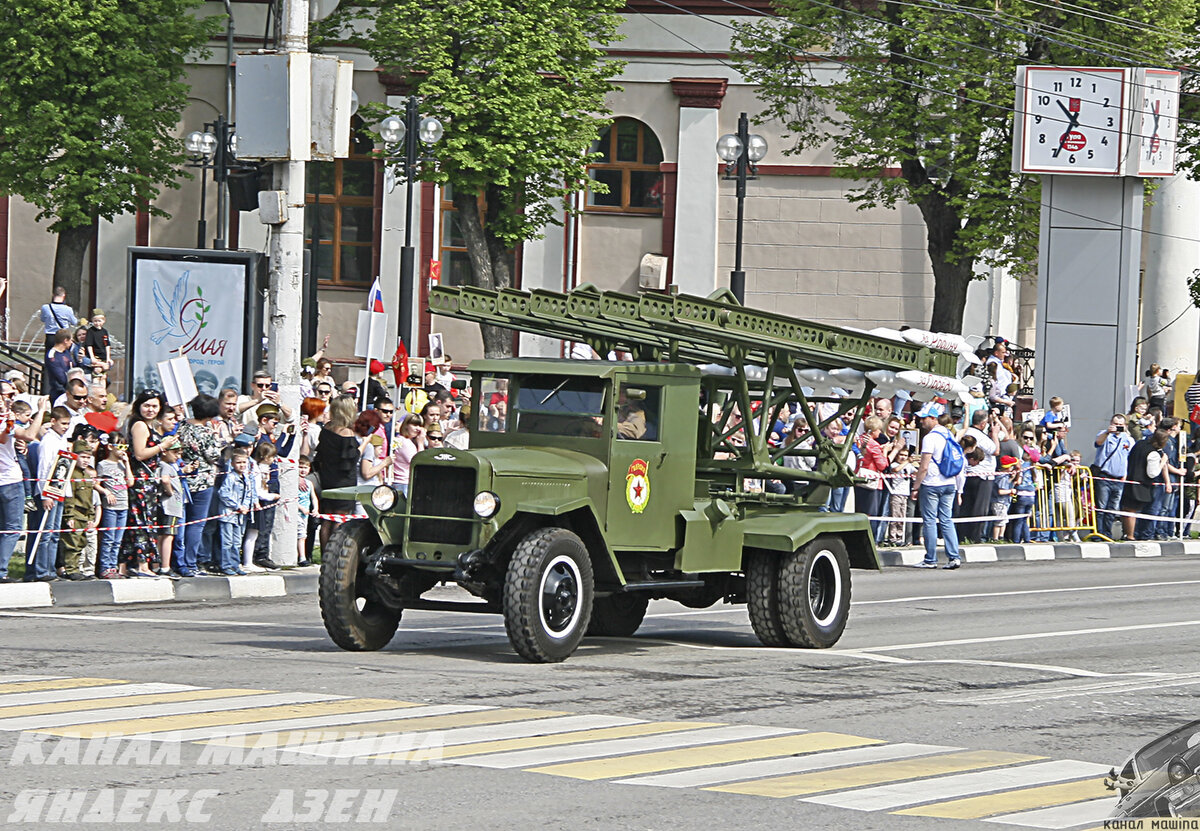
[{"x": 375, "y": 298}]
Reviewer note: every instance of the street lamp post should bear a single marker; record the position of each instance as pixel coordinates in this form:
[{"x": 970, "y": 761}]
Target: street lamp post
[
  {"x": 418, "y": 136},
  {"x": 740, "y": 151},
  {"x": 214, "y": 149}
]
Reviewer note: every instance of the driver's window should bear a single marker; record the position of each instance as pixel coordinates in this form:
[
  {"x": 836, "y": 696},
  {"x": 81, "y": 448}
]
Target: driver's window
[{"x": 638, "y": 412}]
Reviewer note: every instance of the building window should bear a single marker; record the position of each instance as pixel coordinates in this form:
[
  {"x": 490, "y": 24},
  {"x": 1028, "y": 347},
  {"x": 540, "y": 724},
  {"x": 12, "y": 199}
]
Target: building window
[
  {"x": 629, "y": 164},
  {"x": 340, "y": 215},
  {"x": 456, "y": 265}
]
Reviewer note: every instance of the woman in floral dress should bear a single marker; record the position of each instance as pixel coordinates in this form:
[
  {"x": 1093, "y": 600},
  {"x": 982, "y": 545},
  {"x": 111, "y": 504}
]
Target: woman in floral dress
[{"x": 138, "y": 547}]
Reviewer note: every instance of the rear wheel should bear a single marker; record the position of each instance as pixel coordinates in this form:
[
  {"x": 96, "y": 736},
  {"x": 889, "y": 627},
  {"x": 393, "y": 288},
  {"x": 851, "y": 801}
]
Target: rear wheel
[
  {"x": 355, "y": 618},
  {"x": 548, "y": 595},
  {"x": 618, "y": 615},
  {"x": 814, "y": 593},
  {"x": 762, "y": 597}
]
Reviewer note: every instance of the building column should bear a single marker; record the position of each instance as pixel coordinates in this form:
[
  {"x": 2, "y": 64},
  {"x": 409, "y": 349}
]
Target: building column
[
  {"x": 1170, "y": 323},
  {"x": 694, "y": 266}
]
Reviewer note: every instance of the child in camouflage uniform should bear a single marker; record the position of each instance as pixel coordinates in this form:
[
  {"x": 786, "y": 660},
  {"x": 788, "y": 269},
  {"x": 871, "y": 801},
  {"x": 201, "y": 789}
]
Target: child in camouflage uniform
[{"x": 79, "y": 514}]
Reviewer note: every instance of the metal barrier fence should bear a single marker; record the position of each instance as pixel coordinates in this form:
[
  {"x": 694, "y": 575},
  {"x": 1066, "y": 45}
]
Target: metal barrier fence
[{"x": 1065, "y": 500}]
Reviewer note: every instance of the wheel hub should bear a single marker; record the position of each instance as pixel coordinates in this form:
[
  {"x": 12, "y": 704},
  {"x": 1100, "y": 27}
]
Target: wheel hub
[{"x": 560, "y": 597}]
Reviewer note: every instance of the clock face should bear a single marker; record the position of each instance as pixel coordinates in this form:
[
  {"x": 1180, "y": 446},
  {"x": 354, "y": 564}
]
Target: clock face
[
  {"x": 1156, "y": 100},
  {"x": 1073, "y": 120}
]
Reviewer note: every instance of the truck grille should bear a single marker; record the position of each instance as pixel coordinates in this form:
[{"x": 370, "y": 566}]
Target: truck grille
[{"x": 442, "y": 492}]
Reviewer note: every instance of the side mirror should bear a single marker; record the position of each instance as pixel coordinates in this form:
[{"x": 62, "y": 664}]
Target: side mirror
[{"x": 1178, "y": 770}]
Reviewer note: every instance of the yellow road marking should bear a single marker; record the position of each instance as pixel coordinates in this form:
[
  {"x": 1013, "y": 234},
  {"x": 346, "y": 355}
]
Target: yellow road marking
[
  {"x": 691, "y": 757},
  {"x": 115, "y": 703},
  {"x": 1027, "y": 799},
  {"x": 408, "y": 725},
  {"x": 875, "y": 774},
  {"x": 188, "y": 721},
  {"x": 55, "y": 684},
  {"x": 599, "y": 734}
]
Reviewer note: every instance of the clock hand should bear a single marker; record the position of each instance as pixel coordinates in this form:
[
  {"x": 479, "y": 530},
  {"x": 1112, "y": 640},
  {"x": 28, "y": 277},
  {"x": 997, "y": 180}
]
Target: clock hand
[{"x": 1072, "y": 123}]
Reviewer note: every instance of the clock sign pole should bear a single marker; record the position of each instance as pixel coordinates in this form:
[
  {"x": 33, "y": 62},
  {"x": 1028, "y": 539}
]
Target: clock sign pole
[{"x": 1093, "y": 134}]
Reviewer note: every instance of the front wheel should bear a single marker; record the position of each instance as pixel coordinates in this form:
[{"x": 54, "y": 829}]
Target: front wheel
[
  {"x": 355, "y": 618},
  {"x": 814, "y": 593},
  {"x": 548, "y": 595}
]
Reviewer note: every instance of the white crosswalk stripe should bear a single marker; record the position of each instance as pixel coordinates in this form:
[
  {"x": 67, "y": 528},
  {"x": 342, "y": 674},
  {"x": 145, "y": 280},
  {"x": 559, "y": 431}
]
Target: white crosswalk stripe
[
  {"x": 886, "y": 797},
  {"x": 616, "y": 747},
  {"x": 196, "y": 734},
  {"x": 146, "y": 711},
  {"x": 1061, "y": 816},
  {"x": 790, "y": 764},
  {"x": 85, "y": 693}
]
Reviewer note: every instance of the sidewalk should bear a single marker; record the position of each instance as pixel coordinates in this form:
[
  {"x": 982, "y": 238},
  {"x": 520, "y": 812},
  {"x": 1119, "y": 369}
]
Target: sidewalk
[
  {"x": 158, "y": 590},
  {"x": 1004, "y": 552}
]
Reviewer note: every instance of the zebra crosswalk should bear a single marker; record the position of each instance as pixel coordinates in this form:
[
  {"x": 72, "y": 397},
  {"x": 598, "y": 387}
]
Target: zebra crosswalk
[{"x": 802, "y": 763}]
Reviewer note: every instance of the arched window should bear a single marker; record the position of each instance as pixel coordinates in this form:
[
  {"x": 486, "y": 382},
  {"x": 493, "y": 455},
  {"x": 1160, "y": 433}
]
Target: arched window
[
  {"x": 629, "y": 164},
  {"x": 340, "y": 202}
]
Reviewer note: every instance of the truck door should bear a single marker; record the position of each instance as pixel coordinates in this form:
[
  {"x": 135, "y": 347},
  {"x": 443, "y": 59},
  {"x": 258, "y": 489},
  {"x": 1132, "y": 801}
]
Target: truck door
[{"x": 648, "y": 485}]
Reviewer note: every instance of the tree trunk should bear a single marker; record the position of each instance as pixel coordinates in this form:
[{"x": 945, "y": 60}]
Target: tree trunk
[
  {"x": 489, "y": 270},
  {"x": 69, "y": 273},
  {"x": 950, "y": 277}
]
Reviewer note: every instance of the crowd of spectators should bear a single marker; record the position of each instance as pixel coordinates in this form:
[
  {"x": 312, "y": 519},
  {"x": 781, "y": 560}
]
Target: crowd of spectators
[{"x": 146, "y": 489}]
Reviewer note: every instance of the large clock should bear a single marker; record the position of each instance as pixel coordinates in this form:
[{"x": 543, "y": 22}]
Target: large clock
[
  {"x": 1073, "y": 120},
  {"x": 1156, "y": 103}
]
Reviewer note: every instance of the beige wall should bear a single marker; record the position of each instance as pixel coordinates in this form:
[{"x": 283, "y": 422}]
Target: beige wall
[
  {"x": 30, "y": 268},
  {"x": 809, "y": 253},
  {"x": 611, "y": 248}
]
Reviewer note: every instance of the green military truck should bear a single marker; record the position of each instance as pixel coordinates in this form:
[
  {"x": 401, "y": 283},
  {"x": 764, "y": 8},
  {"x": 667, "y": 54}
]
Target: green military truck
[{"x": 592, "y": 487}]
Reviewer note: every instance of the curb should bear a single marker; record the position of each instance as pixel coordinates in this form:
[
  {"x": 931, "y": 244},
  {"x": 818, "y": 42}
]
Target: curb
[
  {"x": 157, "y": 590},
  {"x": 1047, "y": 551}
]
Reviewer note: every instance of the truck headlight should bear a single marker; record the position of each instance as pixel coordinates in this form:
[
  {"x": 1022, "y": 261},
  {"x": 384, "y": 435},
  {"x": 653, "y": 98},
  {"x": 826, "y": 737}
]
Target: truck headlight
[
  {"x": 383, "y": 498},
  {"x": 486, "y": 504}
]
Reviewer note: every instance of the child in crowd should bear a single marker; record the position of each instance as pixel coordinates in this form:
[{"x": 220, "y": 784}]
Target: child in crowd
[
  {"x": 1055, "y": 423},
  {"x": 1002, "y": 501},
  {"x": 262, "y": 466},
  {"x": 79, "y": 514},
  {"x": 22, "y": 416},
  {"x": 236, "y": 498},
  {"x": 170, "y": 508},
  {"x": 306, "y": 499},
  {"x": 116, "y": 477},
  {"x": 1025, "y": 492},
  {"x": 96, "y": 345},
  {"x": 899, "y": 485}
]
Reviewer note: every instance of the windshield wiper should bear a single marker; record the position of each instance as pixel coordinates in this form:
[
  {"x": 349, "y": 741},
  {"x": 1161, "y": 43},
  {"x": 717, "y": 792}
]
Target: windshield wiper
[{"x": 554, "y": 391}]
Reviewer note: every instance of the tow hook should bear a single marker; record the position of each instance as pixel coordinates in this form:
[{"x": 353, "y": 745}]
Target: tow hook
[{"x": 469, "y": 565}]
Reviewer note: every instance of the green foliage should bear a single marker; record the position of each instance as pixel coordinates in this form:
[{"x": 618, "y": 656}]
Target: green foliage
[
  {"x": 520, "y": 88},
  {"x": 91, "y": 93},
  {"x": 928, "y": 87}
]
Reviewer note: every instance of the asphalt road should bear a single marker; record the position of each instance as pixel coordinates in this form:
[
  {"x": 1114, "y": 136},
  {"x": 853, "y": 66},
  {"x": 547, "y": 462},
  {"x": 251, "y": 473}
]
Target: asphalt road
[{"x": 992, "y": 692}]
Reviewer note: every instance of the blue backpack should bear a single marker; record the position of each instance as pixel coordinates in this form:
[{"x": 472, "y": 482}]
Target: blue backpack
[{"x": 952, "y": 461}]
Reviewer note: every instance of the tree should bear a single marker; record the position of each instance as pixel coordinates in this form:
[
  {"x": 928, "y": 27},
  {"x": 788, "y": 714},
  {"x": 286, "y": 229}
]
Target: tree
[
  {"x": 520, "y": 88},
  {"x": 91, "y": 93},
  {"x": 928, "y": 87}
]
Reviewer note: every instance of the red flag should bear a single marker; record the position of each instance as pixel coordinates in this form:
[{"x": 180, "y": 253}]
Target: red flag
[{"x": 400, "y": 363}]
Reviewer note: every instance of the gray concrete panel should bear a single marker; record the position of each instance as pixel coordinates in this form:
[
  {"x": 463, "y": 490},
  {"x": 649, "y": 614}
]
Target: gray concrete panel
[{"x": 1084, "y": 283}]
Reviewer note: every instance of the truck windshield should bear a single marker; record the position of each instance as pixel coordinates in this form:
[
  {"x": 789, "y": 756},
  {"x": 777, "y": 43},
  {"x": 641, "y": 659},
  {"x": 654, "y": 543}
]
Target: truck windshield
[{"x": 559, "y": 405}]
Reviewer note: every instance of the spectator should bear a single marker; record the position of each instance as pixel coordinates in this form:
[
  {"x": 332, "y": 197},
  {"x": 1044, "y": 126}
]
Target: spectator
[
  {"x": 42, "y": 566},
  {"x": 410, "y": 440},
  {"x": 256, "y": 544},
  {"x": 1024, "y": 493},
  {"x": 58, "y": 362},
  {"x": 96, "y": 345},
  {"x": 200, "y": 447},
  {"x": 1145, "y": 476},
  {"x": 1002, "y": 498},
  {"x": 977, "y": 492},
  {"x": 56, "y": 316},
  {"x": 934, "y": 491},
  {"x": 1001, "y": 374},
  {"x": 309, "y": 507},
  {"x": 1110, "y": 468},
  {"x": 1169, "y": 507},
  {"x": 372, "y": 462},
  {"x": 146, "y": 444},
  {"x": 336, "y": 460},
  {"x": 237, "y": 496},
  {"x": 79, "y": 515},
  {"x": 313, "y": 413},
  {"x": 260, "y": 392},
  {"x": 170, "y": 511},
  {"x": 872, "y": 463},
  {"x": 1154, "y": 388},
  {"x": 459, "y": 436},
  {"x": 117, "y": 477},
  {"x": 1139, "y": 419},
  {"x": 75, "y": 400},
  {"x": 1054, "y": 421},
  {"x": 387, "y": 411},
  {"x": 375, "y": 387},
  {"x": 79, "y": 354},
  {"x": 899, "y": 489},
  {"x": 13, "y": 493}
]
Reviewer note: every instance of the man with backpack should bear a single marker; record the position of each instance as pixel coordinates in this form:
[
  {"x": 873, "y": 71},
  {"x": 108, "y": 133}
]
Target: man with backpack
[{"x": 935, "y": 486}]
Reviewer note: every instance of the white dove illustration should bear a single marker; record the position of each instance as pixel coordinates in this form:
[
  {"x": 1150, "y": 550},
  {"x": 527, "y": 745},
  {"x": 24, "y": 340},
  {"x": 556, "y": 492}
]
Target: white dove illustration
[{"x": 171, "y": 312}]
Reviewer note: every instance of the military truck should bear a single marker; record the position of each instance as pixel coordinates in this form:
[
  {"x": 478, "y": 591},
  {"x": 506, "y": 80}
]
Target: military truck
[{"x": 592, "y": 487}]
